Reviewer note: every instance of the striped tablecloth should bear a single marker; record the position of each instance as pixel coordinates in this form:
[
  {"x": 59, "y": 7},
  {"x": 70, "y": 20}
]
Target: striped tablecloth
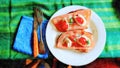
[{"x": 12, "y": 10}]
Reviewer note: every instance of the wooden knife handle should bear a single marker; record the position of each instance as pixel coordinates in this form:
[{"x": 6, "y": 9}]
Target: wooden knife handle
[
  {"x": 69, "y": 66},
  {"x": 35, "y": 44}
]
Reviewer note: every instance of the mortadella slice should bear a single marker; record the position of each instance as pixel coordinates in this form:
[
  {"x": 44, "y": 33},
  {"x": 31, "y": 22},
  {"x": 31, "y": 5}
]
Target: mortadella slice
[
  {"x": 78, "y": 19},
  {"x": 76, "y": 40}
]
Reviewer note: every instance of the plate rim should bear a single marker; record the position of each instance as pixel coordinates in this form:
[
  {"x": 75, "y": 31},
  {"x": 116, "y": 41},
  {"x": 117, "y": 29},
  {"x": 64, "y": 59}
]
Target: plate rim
[{"x": 103, "y": 27}]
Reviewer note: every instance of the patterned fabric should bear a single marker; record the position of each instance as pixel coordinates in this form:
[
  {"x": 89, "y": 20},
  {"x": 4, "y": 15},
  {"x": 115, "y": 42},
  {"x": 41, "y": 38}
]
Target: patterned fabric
[{"x": 12, "y": 10}]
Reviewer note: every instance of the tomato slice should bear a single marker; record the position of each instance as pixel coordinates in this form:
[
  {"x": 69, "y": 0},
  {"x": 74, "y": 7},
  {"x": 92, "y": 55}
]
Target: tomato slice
[
  {"x": 65, "y": 44},
  {"x": 73, "y": 39},
  {"x": 79, "y": 20},
  {"x": 83, "y": 41},
  {"x": 62, "y": 26},
  {"x": 75, "y": 44}
]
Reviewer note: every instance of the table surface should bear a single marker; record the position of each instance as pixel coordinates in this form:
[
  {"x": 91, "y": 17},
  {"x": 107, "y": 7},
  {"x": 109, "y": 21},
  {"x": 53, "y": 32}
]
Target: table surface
[{"x": 12, "y": 10}]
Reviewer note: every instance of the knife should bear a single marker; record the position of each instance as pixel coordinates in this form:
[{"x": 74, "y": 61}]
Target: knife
[
  {"x": 38, "y": 47},
  {"x": 35, "y": 36},
  {"x": 39, "y": 19}
]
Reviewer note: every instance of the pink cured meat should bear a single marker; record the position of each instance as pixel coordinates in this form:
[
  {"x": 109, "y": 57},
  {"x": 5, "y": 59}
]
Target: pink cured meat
[
  {"x": 86, "y": 13},
  {"x": 80, "y": 48}
]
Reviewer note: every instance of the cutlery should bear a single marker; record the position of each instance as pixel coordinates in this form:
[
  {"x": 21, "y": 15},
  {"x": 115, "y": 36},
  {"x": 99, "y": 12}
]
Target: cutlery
[
  {"x": 39, "y": 15},
  {"x": 35, "y": 37},
  {"x": 38, "y": 47}
]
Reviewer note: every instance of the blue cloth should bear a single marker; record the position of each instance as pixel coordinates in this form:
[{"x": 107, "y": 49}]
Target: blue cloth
[{"x": 23, "y": 40}]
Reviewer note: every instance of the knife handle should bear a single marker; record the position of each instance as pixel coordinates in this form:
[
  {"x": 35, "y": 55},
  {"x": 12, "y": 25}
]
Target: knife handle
[
  {"x": 69, "y": 66},
  {"x": 35, "y": 44}
]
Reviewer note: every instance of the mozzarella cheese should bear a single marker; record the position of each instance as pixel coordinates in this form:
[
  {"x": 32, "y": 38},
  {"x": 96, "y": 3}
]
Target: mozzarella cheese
[{"x": 69, "y": 42}]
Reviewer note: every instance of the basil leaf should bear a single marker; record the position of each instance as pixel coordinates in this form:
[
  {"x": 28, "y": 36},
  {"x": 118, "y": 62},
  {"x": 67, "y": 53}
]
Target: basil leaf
[
  {"x": 71, "y": 20},
  {"x": 88, "y": 42}
]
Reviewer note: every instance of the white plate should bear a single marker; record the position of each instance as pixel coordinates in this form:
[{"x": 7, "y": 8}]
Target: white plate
[{"x": 74, "y": 58}]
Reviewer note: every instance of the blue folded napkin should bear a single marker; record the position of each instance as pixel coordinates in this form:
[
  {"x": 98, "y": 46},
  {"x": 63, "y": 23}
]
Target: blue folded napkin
[{"x": 23, "y": 40}]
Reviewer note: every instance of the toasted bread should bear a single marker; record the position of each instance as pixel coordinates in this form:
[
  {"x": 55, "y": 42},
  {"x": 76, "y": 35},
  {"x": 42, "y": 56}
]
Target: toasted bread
[{"x": 72, "y": 40}]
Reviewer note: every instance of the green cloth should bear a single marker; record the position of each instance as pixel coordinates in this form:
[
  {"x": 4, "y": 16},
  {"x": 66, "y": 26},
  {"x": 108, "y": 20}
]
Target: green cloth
[{"x": 12, "y": 10}]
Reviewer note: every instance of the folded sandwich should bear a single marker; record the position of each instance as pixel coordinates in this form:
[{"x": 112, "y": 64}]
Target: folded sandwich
[
  {"x": 78, "y": 19},
  {"x": 76, "y": 40}
]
